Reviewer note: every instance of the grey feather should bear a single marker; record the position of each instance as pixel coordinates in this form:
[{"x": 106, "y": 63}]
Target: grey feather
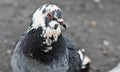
[
  {"x": 20, "y": 63},
  {"x": 31, "y": 52}
]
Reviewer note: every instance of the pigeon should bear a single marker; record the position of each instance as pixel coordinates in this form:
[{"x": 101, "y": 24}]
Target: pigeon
[
  {"x": 116, "y": 68},
  {"x": 43, "y": 47}
]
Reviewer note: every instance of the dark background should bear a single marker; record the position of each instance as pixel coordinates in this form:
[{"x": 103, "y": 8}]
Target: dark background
[{"x": 92, "y": 24}]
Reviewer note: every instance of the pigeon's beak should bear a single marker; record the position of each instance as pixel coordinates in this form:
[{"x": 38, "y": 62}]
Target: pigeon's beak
[{"x": 60, "y": 21}]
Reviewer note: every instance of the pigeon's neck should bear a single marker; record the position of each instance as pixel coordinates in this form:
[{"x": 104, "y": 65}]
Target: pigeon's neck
[{"x": 36, "y": 46}]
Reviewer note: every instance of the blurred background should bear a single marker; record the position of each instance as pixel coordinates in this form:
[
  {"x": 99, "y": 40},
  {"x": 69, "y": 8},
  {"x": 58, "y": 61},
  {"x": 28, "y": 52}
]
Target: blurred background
[{"x": 92, "y": 24}]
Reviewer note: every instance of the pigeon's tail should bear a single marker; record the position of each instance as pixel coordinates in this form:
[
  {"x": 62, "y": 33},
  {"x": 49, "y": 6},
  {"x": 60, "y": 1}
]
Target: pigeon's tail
[{"x": 85, "y": 61}]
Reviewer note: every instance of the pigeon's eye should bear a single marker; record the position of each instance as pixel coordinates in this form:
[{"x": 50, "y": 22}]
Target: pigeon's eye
[{"x": 49, "y": 15}]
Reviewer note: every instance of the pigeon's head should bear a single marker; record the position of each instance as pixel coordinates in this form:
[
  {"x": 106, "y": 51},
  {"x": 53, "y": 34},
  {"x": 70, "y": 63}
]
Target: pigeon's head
[{"x": 48, "y": 16}]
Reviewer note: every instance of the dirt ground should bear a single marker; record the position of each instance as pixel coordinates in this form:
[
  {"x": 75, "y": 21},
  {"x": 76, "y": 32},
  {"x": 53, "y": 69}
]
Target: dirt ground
[{"x": 92, "y": 24}]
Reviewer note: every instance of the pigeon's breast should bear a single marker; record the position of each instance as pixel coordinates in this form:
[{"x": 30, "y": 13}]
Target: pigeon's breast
[{"x": 24, "y": 64}]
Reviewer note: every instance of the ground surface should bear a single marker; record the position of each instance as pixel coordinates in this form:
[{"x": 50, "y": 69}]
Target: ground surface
[{"x": 92, "y": 24}]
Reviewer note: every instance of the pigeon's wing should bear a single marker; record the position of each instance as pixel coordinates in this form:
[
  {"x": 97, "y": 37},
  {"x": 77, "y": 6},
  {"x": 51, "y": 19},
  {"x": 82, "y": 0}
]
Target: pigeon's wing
[
  {"x": 74, "y": 57},
  {"x": 15, "y": 57}
]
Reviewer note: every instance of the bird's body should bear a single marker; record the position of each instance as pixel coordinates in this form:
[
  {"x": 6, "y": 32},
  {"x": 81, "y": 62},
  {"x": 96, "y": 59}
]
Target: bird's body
[
  {"x": 21, "y": 63},
  {"x": 43, "y": 48},
  {"x": 25, "y": 60}
]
